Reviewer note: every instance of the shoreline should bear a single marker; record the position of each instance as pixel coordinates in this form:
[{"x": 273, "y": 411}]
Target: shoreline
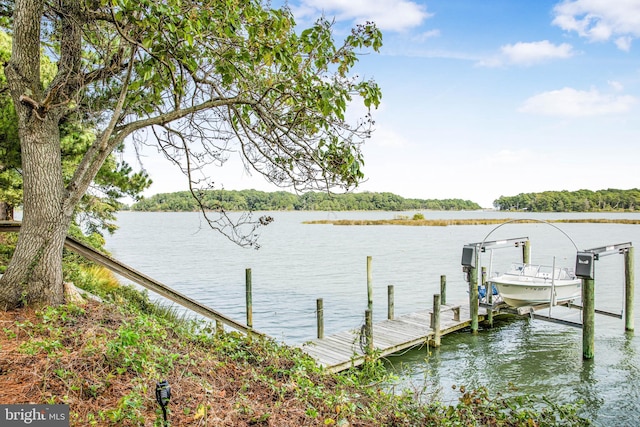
[{"x": 448, "y": 222}]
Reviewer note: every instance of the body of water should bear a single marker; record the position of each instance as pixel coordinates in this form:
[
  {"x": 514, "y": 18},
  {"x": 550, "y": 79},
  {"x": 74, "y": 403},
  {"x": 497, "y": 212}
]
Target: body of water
[{"x": 298, "y": 263}]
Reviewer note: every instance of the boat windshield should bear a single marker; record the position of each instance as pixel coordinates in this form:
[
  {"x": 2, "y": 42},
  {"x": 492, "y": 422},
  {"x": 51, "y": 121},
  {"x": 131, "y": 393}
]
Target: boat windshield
[{"x": 541, "y": 271}]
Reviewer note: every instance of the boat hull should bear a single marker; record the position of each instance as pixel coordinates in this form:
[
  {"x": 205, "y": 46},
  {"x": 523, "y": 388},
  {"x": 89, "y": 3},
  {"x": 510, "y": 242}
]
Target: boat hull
[{"x": 519, "y": 291}]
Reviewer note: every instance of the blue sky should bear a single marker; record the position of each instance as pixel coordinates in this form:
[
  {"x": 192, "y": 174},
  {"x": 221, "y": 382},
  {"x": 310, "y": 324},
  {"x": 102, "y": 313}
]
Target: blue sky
[{"x": 489, "y": 98}]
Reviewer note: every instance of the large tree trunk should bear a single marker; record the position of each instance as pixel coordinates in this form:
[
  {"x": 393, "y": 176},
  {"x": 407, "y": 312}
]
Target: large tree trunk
[{"x": 34, "y": 274}]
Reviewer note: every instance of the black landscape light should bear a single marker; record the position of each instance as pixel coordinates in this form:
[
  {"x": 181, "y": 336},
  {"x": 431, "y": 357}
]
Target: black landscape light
[{"x": 163, "y": 394}]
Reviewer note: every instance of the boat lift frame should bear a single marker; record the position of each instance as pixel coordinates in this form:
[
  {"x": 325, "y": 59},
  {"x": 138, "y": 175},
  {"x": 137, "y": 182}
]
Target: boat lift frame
[
  {"x": 619, "y": 248},
  {"x": 470, "y": 262},
  {"x": 529, "y": 310},
  {"x": 585, "y": 269}
]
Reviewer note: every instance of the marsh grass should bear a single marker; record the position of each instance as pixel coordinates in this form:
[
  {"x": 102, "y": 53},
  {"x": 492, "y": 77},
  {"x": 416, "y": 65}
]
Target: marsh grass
[{"x": 447, "y": 222}]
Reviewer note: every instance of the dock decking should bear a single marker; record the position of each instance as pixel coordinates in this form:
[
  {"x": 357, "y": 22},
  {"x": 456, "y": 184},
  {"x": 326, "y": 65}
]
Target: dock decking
[{"x": 343, "y": 350}]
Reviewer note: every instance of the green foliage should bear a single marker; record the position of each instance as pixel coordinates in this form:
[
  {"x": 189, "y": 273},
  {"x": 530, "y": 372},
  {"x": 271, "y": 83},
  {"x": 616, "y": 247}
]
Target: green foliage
[
  {"x": 74, "y": 266},
  {"x": 7, "y": 246},
  {"x": 252, "y": 200},
  {"x": 477, "y": 407},
  {"x": 10, "y": 179},
  {"x": 610, "y": 200},
  {"x": 198, "y": 80},
  {"x": 115, "y": 179},
  {"x": 281, "y": 92}
]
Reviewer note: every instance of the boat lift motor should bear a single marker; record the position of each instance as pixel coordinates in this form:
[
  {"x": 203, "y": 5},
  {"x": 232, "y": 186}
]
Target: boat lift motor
[
  {"x": 584, "y": 265},
  {"x": 468, "y": 259},
  {"x": 470, "y": 251}
]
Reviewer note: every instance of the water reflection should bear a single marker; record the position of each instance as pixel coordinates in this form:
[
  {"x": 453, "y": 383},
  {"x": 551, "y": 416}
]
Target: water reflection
[
  {"x": 588, "y": 390},
  {"x": 611, "y": 389},
  {"x": 533, "y": 357}
]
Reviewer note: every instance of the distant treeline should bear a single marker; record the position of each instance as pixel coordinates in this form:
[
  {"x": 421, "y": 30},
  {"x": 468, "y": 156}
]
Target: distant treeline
[
  {"x": 572, "y": 201},
  {"x": 253, "y": 200}
]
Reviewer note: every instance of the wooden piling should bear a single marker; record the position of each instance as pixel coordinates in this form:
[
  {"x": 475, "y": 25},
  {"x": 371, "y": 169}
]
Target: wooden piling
[
  {"x": 588, "y": 318},
  {"x": 368, "y": 331},
  {"x": 526, "y": 252},
  {"x": 390, "y": 302},
  {"x": 320, "y": 317},
  {"x": 443, "y": 289},
  {"x": 436, "y": 320},
  {"x": 489, "y": 296},
  {"x": 473, "y": 298},
  {"x": 369, "y": 285},
  {"x": 629, "y": 289},
  {"x": 483, "y": 277},
  {"x": 249, "y": 297}
]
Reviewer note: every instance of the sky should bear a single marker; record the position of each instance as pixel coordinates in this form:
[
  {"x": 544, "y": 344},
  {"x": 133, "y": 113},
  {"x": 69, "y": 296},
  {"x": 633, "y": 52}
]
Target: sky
[{"x": 483, "y": 99}]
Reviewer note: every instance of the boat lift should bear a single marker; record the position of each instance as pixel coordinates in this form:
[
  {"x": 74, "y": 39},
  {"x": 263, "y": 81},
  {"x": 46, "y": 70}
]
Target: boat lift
[
  {"x": 470, "y": 263},
  {"x": 585, "y": 269}
]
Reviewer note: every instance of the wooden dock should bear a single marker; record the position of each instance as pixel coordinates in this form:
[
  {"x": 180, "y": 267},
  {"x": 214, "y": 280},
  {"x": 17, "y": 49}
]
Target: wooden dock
[{"x": 347, "y": 349}]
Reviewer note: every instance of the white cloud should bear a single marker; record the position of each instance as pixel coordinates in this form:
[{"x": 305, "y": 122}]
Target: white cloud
[
  {"x": 427, "y": 35},
  {"x": 392, "y": 15},
  {"x": 491, "y": 62},
  {"x": 535, "y": 52},
  {"x": 617, "y": 86},
  {"x": 568, "y": 102},
  {"x": 624, "y": 43},
  {"x": 527, "y": 54},
  {"x": 600, "y": 20}
]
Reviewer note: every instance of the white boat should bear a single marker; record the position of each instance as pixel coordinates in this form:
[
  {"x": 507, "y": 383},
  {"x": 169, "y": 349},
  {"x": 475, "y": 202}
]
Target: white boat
[{"x": 528, "y": 284}]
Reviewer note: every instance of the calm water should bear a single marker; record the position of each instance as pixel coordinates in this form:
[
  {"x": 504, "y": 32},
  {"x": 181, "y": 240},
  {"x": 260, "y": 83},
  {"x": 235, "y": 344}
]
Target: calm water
[{"x": 299, "y": 263}]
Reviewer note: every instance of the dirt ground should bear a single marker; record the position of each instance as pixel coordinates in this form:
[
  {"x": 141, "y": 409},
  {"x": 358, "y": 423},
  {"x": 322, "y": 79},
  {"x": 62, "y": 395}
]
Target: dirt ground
[{"x": 73, "y": 369}]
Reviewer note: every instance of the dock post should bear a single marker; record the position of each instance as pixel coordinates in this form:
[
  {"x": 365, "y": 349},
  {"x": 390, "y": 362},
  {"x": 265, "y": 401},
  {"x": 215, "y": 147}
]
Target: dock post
[
  {"x": 489, "y": 296},
  {"x": 443, "y": 289},
  {"x": 368, "y": 331},
  {"x": 249, "y": 297},
  {"x": 369, "y": 285},
  {"x": 483, "y": 279},
  {"x": 628, "y": 289},
  {"x": 473, "y": 298},
  {"x": 436, "y": 320},
  {"x": 526, "y": 252},
  {"x": 320, "y": 317},
  {"x": 588, "y": 318},
  {"x": 390, "y": 303}
]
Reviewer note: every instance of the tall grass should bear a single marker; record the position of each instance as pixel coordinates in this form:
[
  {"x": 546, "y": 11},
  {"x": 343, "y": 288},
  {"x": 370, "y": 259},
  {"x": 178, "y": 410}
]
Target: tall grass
[{"x": 416, "y": 221}]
